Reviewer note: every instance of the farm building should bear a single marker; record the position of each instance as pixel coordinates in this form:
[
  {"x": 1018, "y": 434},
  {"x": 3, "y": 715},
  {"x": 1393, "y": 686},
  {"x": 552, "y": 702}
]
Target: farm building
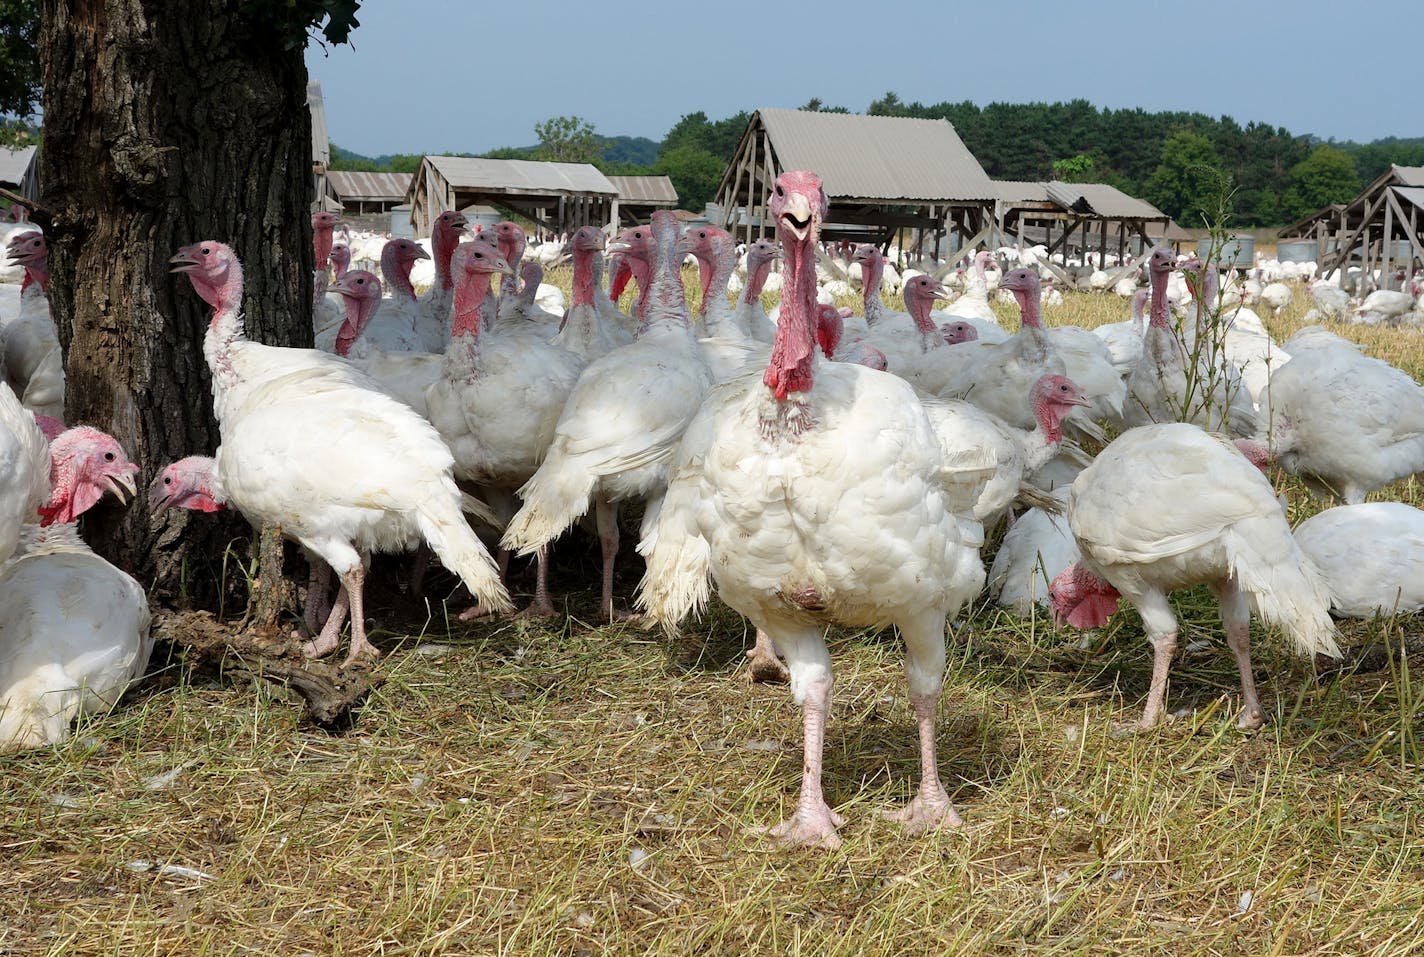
[
  {"x": 881, "y": 174},
  {"x": 638, "y": 196},
  {"x": 557, "y": 197},
  {"x": 1380, "y": 229},
  {"x": 362, "y": 193},
  {"x": 18, "y": 171}
]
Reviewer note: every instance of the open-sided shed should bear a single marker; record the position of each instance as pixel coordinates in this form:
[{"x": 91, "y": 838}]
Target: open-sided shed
[
  {"x": 881, "y": 174},
  {"x": 638, "y": 196},
  {"x": 558, "y": 197},
  {"x": 1382, "y": 228},
  {"x": 1077, "y": 218},
  {"x": 360, "y": 192}
]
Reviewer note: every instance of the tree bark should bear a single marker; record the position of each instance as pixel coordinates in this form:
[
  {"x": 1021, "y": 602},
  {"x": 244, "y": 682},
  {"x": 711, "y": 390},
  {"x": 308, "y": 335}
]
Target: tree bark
[{"x": 167, "y": 122}]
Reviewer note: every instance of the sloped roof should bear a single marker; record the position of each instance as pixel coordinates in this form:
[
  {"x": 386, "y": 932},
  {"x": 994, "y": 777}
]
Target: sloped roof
[
  {"x": 877, "y": 157},
  {"x": 645, "y": 190},
  {"x": 15, "y": 163},
  {"x": 349, "y": 184},
  {"x": 520, "y": 176},
  {"x": 1409, "y": 175},
  {"x": 321, "y": 145},
  {"x": 1019, "y": 191},
  {"x": 1100, "y": 199}
]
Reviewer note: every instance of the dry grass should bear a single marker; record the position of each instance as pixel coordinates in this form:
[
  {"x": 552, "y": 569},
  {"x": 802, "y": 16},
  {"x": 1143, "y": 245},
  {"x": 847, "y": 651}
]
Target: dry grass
[{"x": 523, "y": 789}]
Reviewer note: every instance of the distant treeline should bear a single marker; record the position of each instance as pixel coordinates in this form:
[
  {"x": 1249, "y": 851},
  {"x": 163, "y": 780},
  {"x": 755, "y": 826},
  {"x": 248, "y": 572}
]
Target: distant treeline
[{"x": 1171, "y": 159}]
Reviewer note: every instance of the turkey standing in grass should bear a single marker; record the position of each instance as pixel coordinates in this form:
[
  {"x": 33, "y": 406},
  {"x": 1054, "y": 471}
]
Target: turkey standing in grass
[
  {"x": 810, "y": 494},
  {"x": 1169, "y": 506},
  {"x": 313, "y": 445}
]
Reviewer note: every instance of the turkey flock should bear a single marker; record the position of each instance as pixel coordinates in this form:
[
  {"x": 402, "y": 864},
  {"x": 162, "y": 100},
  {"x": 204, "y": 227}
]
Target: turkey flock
[{"x": 810, "y": 465}]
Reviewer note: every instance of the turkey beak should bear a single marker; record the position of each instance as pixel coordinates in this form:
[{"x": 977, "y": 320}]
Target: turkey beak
[
  {"x": 1078, "y": 398},
  {"x": 617, "y": 247},
  {"x": 420, "y": 253},
  {"x": 939, "y": 291},
  {"x": 158, "y": 498},
  {"x": 796, "y": 215},
  {"x": 123, "y": 485},
  {"x": 183, "y": 261}
]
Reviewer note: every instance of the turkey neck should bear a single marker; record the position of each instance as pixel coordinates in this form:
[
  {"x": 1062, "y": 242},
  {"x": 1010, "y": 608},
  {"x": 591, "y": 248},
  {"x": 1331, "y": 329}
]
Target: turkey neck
[
  {"x": 225, "y": 329},
  {"x": 872, "y": 272},
  {"x": 584, "y": 277},
  {"x": 321, "y": 241},
  {"x": 714, "y": 287},
  {"x": 443, "y": 241},
  {"x": 513, "y": 252},
  {"x": 756, "y": 281},
  {"x": 1157, "y": 312},
  {"x": 794, "y": 349},
  {"x": 533, "y": 275},
  {"x": 471, "y": 300},
  {"x": 396, "y": 275},
  {"x": 358, "y": 316},
  {"x": 1045, "y": 440},
  {"x": 36, "y": 274},
  {"x": 1030, "y": 316},
  {"x": 666, "y": 304},
  {"x": 919, "y": 305}
]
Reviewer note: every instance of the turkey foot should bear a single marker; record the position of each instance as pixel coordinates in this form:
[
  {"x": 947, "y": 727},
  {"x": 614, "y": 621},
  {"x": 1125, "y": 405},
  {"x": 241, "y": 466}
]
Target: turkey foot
[
  {"x": 541, "y": 606},
  {"x": 810, "y": 826},
  {"x": 763, "y": 665},
  {"x": 536, "y": 610},
  {"x": 476, "y": 611},
  {"x": 1250, "y": 719},
  {"x": 326, "y": 642},
  {"x": 927, "y": 812}
]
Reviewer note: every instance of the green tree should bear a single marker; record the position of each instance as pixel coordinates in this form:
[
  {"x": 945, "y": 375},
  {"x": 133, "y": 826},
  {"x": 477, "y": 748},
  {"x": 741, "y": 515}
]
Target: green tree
[
  {"x": 1187, "y": 175},
  {"x": 1075, "y": 169},
  {"x": 695, "y": 174},
  {"x": 1326, "y": 176},
  {"x": 888, "y": 105},
  {"x": 567, "y": 139},
  {"x": 169, "y": 156}
]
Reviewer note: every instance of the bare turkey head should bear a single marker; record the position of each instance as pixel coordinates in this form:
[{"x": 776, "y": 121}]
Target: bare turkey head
[
  {"x": 798, "y": 205},
  {"x": 452, "y": 222},
  {"x": 1255, "y": 453},
  {"x": 402, "y": 252},
  {"x": 956, "y": 332},
  {"x": 762, "y": 252},
  {"x": 85, "y": 464},
  {"x": 924, "y": 290},
  {"x": 1081, "y": 599},
  {"x": 358, "y": 284},
  {"x": 325, "y": 221},
  {"x": 1057, "y": 390},
  {"x": 188, "y": 484},
  {"x": 635, "y": 243},
  {"x": 510, "y": 239},
  {"x": 29, "y": 249},
  {"x": 586, "y": 239},
  {"x": 322, "y": 226},
  {"x": 1162, "y": 261},
  {"x": 479, "y": 259},
  {"x": 1021, "y": 280},
  {"x": 340, "y": 257},
  {"x": 214, "y": 271},
  {"x": 867, "y": 254}
]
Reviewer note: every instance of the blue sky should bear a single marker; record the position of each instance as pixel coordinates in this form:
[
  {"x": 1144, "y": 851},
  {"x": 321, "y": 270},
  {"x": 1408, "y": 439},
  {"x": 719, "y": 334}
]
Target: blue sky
[{"x": 456, "y": 75}]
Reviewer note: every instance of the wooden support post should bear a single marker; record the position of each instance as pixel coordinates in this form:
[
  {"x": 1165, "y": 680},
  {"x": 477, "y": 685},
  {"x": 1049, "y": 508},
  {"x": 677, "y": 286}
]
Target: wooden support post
[{"x": 1386, "y": 253}]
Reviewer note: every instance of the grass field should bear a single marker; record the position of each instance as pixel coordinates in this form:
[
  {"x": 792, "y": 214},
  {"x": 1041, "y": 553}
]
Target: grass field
[{"x": 576, "y": 789}]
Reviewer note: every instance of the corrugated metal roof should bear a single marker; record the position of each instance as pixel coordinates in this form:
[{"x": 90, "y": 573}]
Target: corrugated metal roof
[
  {"x": 1018, "y": 191},
  {"x": 353, "y": 185},
  {"x": 878, "y": 157},
  {"x": 1410, "y": 175},
  {"x": 1102, "y": 200},
  {"x": 15, "y": 163},
  {"x": 321, "y": 145},
  {"x": 645, "y": 190},
  {"x": 1411, "y": 194},
  {"x": 521, "y": 176}
]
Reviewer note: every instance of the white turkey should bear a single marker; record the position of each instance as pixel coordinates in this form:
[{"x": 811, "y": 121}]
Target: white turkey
[
  {"x": 1177, "y": 383},
  {"x": 327, "y": 310},
  {"x": 1124, "y": 339},
  {"x": 809, "y": 493},
  {"x": 34, "y": 363},
  {"x": 587, "y": 330},
  {"x": 498, "y": 399},
  {"x": 1345, "y": 423},
  {"x": 974, "y": 306},
  {"x": 404, "y": 375},
  {"x": 625, "y": 416},
  {"x": 313, "y": 445},
  {"x": 73, "y": 636},
  {"x": 1370, "y": 556},
  {"x": 433, "y": 313},
  {"x": 751, "y": 315},
  {"x": 1037, "y": 547},
  {"x": 1385, "y": 306},
  {"x": 1169, "y": 506}
]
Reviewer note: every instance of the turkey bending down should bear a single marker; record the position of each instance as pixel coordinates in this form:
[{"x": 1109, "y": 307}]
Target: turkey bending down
[
  {"x": 73, "y": 636},
  {"x": 1169, "y": 506},
  {"x": 1369, "y": 555},
  {"x": 809, "y": 493}
]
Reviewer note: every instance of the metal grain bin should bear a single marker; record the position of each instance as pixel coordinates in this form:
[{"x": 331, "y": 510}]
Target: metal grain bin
[
  {"x": 1296, "y": 251},
  {"x": 1238, "y": 252}
]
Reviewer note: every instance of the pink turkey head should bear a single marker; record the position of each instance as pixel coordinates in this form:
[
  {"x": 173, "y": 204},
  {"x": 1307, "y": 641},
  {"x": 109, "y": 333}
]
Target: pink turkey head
[
  {"x": 798, "y": 205},
  {"x": 1162, "y": 261},
  {"x": 511, "y": 241},
  {"x": 924, "y": 289},
  {"x": 1081, "y": 599},
  {"x": 188, "y": 483},
  {"x": 1021, "y": 281},
  {"x": 28, "y": 249},
  {"x": 866, "y": 254},
  {"x": 214, "y": 271},
  {"x": 84, "y": 464},
  {"x": 586, "y": 239},
  {"x": 635, "y": 242},
  {"x": 864, "y": 354},
  {"x": 1052, "y": 398},
  {"x": 761, "y": 252},
  {"x": 473, "y": 266},
  {"x": 323, "y": 224},
  {"x": 340, "y": 258},
  {"x": 957, "y": 332},
  {"x": 450, "y": 221},
  {"x": 1256, "y": 453}
]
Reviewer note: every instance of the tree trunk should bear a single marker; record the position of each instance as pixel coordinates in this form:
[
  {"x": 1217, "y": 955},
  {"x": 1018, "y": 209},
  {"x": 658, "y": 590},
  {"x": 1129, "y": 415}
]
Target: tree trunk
[{"x": 167, "y": 122}]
